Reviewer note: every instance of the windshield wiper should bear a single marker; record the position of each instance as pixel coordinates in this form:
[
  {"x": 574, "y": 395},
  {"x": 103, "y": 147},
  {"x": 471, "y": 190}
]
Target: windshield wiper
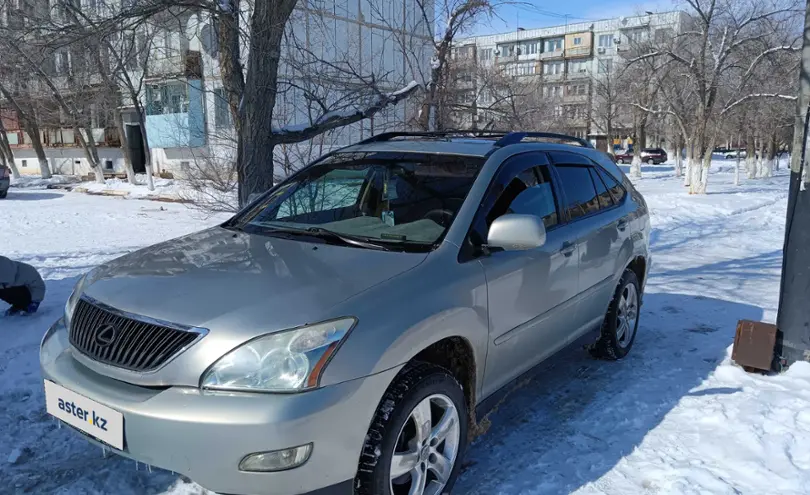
[{"x": 345, "y": 239}]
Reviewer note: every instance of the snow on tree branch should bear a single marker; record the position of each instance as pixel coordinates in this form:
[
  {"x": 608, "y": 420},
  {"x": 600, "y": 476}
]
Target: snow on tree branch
[{"x": 335, "y": 119}]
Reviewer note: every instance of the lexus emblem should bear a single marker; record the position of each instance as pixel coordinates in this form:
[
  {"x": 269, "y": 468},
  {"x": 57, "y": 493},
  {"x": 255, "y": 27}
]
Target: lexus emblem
[{"x": 105, "y": 335}]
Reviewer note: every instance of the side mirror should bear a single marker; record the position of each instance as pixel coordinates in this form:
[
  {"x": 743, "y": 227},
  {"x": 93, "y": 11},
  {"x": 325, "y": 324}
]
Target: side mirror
[{"x": 514, "y": 232}]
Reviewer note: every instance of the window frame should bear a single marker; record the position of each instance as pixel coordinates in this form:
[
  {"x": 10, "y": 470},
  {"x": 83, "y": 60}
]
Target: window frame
[
  {"x": 584, "y": 162},
  {"x": 508, "y": 170}
]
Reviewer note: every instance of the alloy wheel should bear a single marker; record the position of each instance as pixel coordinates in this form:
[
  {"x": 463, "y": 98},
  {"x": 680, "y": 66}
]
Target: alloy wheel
[
  {"x": 627, "y": 315},
  {"x": 426, "y": 448}
]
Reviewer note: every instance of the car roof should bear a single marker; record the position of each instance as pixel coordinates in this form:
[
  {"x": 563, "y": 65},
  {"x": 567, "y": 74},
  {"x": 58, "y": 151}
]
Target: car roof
[{"x": 465, "y": 143}]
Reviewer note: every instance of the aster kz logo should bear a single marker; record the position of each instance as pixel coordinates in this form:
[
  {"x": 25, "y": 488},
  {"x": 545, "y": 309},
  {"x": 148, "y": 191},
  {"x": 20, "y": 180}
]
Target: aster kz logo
[
  {"x": 83, "y": 414},
  {"x": 105, "y": 335}
]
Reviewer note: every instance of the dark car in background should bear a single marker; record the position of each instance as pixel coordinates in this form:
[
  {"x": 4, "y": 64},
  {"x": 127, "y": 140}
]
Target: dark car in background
[
  {"x": 651, "y": 156},
  {"x": 5, "y": 181}
]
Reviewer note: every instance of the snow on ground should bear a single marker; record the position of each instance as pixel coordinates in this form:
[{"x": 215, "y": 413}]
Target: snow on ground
[
  {"x": 675, "y": 417},
  {"x": 163, "y": 187}
]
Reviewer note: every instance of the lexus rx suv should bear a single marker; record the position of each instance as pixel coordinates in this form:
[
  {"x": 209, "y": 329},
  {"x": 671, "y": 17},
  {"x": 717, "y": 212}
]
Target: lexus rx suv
[{"x": 344, "y": 330}]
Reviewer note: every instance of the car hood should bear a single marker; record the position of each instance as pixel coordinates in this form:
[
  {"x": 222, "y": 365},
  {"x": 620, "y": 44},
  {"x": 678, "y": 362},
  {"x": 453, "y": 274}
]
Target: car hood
[{"x": 243, "y": 284}]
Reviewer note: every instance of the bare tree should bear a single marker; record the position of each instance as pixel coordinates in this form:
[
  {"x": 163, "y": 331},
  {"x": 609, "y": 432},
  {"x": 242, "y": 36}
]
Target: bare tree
[{"x": 713, "y": 59}]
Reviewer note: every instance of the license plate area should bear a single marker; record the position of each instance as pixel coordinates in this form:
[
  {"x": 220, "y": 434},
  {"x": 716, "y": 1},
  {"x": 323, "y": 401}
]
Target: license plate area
[{"x": 86, "y": 415}]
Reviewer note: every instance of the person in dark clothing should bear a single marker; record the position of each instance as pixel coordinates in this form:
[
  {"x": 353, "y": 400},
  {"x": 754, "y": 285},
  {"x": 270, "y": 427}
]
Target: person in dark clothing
[{"x": 21, "y": 286}]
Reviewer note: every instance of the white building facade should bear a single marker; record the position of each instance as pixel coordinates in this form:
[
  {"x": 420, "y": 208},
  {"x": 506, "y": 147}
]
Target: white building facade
[{"x": 565, "y": 61}]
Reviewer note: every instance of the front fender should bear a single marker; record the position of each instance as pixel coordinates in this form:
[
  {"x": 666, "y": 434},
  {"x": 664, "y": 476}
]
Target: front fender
[{"x": 407, "y": 314}]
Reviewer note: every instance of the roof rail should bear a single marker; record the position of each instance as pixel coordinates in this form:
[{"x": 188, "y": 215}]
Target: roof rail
[
  {"x": 517, "y": 137},
  {"x": 387, "y": 136}
]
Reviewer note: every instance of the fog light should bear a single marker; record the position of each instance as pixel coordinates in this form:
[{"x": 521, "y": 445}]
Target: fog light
[{"x": 277, "y": 460}]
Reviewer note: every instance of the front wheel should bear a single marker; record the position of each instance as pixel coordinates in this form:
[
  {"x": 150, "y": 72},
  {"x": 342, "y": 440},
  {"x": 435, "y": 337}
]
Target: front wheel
[
  {"x": 619, "y": 328},
  {"x": 417, "y": 437},
  {"x": 650, "y": 161}
]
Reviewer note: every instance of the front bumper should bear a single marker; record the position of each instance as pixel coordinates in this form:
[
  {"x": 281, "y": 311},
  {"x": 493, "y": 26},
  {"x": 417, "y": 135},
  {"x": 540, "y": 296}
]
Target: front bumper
[{"x": 204, "y": 435}]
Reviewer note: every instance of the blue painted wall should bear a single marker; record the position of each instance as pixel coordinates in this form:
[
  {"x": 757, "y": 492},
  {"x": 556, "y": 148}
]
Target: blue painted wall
[{"x": 180, "y": 130}]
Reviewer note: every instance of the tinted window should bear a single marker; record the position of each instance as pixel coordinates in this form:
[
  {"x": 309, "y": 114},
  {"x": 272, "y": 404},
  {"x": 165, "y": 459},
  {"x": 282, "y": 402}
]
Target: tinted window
[
  {"x": 605, "y": 200},
  {"x": 580, "y": 194},
  {"x": 616, "y": 190},
  {"x": 530, "y": 193}
]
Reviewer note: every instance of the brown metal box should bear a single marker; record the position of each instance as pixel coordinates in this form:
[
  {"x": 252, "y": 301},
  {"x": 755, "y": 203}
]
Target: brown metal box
[{"x": 754, "y": 345}]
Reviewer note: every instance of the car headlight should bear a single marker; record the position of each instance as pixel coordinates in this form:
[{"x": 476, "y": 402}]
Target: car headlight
[
  {"x": 86, "y": 280},
  {"x": 288, "y": 361}
]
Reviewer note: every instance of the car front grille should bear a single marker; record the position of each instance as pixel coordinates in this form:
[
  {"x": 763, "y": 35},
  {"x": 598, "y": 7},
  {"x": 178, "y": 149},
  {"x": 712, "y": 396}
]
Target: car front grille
[{"x": 124, "y": 341}]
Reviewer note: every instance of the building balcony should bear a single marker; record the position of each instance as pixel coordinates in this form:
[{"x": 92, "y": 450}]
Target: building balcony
[
  {"x": 63, "y": 138},
  {"x": 578, "y": 51},
  {"x": 582, "y": 74},
  {"x": 553, "y": 77},
  {"x": 178, "y": 126},
  {"x": 551, "y": 55},
  {"x": 185, "y": 63},
  {"x": 575, "y": 99}
]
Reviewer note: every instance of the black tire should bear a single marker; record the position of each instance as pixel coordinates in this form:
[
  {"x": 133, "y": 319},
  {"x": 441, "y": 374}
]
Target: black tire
[
  {"x": 415, "y": 382},
  {"x": 650, "y": 161},
  {"x": 3, "y": 194},
  {"x": 608, "y": 345}
]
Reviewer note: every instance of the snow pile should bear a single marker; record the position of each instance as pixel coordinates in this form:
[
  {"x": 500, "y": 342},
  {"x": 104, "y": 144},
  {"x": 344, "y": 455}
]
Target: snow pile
[
  {"x": 163, "y": 187},
  {"x": 37, "y": 182},
  {"x": 675, "y": 417}
]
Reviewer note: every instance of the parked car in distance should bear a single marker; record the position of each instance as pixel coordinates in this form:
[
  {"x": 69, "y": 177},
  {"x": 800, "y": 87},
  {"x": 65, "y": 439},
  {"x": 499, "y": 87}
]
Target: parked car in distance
[
  {"x": 624, "y": 156},
  {"x": 341, "y": 333},
  {"x": 653, "y": 156},
  {"x": 5, "y": 181}
]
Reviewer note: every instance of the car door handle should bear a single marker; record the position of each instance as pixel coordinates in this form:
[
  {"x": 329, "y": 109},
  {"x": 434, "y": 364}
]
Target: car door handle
[
  {"x": 622, "y": 225},
  {"x": 568, "y": 248}
]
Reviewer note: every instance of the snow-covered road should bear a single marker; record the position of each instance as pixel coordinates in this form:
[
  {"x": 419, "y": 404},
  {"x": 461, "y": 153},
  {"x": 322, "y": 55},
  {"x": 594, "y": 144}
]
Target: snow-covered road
[{"x": 674, "y": 417}]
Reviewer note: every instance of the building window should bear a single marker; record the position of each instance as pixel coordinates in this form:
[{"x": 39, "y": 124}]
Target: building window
[
  {"x": 577, "y": 41},
  {"x": 169, "y": 98},
  {"x": 25, "y": 163},
  {"x": 532, "y": 49},
  {"x": 486, "y": 54},
  {"x": 605, "y": 66},
  {"x": 222, "y": 111},
  {"x": 577, "y": 66},
  {"x": 554, "y": 45},
  {"x": 637, "y": 36},
  {"x": 108, "y": 164},
  {"x": 552, "y": 68},
  {"x": 606, "y": 40}
]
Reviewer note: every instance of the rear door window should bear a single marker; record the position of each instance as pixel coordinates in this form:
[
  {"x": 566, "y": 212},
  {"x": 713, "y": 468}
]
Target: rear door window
[
  {"x": 580, "y": 194},
  {"x": 605, "y": 199},
  {"x": 617, "y": 192}
]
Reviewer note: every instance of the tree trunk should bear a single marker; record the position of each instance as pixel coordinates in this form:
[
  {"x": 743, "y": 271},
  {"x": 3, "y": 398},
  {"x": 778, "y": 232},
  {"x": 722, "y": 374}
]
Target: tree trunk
[
  {"x": 690, "y": 162},
  {"x": 737, "y": 165},
  {"x": 36, "y": 142},
  {"x": 255, "y": 141},
  {"x": 638, "y": 145},
  {"x": 88, "y": 144},
  {"x": 122, "y": 133},
  {"x": 147, "y": 153},
  {"x": 678, "y": 160},
  {"x": 750, "y": 157},
  {"x": 769, "y": 154}
]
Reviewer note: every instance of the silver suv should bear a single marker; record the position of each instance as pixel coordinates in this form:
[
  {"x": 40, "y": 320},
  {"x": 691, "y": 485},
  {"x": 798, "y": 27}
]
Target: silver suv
[{"x": 343, "y": 331}]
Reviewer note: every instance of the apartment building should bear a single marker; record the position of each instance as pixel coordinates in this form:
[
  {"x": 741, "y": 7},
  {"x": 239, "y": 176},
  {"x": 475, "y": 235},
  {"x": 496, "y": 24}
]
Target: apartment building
[
  {"x": 187, "y": 116},
  {"x": 563, "y": 63}
]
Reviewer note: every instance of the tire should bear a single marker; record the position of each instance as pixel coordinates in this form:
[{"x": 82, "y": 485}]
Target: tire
[
  {"x": 614, "y": 342},
  {"x": 650, "y": 161},
  {"x": 393, "y": 423},
  {"x": 621, "y": 161},
  {"x": 3, "y": 194}
]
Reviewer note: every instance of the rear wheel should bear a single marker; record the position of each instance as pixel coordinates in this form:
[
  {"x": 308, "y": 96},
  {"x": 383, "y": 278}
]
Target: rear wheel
[
  {"x": 621, "y": 321},
  {"x": 3, "y": 194},
  {"x": 417, "y": 436},
  {"x": 650, "y": 161}
]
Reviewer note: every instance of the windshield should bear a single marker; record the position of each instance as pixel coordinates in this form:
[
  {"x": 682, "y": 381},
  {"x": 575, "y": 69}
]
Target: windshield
[{"x": 408, "y": 200}]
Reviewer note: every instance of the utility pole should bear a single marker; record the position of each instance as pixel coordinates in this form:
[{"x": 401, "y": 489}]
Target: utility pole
[{"x": 793, "y": 320}]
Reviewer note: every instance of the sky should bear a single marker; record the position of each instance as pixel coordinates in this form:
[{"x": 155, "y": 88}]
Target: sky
[{"x": 543, "y": 13}]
